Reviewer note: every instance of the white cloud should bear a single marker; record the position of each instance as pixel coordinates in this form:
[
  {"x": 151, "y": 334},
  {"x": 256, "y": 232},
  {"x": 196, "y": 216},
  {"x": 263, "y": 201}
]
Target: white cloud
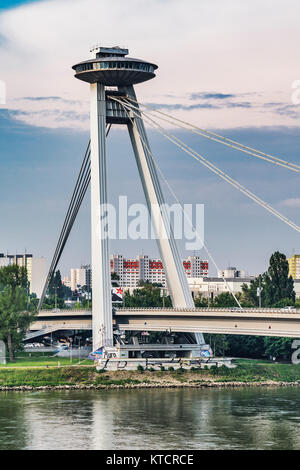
[
  {"x": 292, "y": 202},
  {"x": 210, "y": 45}
]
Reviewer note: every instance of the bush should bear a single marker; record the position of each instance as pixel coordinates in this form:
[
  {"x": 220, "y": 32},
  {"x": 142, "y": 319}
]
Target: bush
[
  {"x": 171, "y": 369},
  {"x": 140, "y": 368},
  {"x": 214, "y": 370},
  {"x": 162, "y": 368}
]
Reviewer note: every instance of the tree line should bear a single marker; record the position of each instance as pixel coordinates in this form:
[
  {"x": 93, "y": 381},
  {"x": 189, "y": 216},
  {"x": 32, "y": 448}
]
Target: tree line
[{"x": 275, "y": 288}]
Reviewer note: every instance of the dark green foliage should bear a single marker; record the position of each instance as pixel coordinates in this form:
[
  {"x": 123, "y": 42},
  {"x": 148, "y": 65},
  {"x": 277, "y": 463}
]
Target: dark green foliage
[
  {"x": 225, "y": 299},
  {"x": 147, "y": 296},
  {"x": 250, "y": 346},
  {"x": 280, "y": 348},
  {"x": 57, "y": 293},
  {"x": 249, "y": 296},
  {"x": 16, "y": 309},
  {"x": 277, "y": 286},
  {"x": 200, "y": 301},
  {"x": 218, "y": 343},
  {"x": 14, "y": 276},
  {"x": 245, "y": 346},
  {"x": 277, "y": 291}
]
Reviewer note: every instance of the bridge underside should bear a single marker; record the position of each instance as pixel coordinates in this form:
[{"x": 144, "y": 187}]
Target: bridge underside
[{"x": 247, "y": 322}]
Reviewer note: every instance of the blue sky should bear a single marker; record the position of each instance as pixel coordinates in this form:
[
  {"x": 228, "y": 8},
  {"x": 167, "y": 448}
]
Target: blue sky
[
  {"x": 238, "y": 87},
  {"x": 7, "y": 4},
  {"x": 39, "y": 167}
]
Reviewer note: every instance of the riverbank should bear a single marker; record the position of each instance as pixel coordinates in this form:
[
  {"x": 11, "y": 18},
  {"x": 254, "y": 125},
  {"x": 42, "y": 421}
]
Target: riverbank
[{"x": 87, "y": 377}]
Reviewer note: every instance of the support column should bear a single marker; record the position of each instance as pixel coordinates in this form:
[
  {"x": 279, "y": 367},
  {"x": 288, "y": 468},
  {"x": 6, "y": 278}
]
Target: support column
[
  {"x": 175, "y": 275},
  {"x": 102, "y": 305}
]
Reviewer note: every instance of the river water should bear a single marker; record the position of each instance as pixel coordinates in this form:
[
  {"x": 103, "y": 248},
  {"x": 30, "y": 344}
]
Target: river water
[{"x": 252, "y": 418}]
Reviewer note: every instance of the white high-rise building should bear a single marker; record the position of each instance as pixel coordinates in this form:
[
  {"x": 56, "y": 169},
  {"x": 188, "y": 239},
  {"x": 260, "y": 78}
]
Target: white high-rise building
[
  {"x": 194, "y": 266},
  {"x": 142, "y": 268},
  {"x": 77, "y": 278},
  {"x": 80, "y": 277}
]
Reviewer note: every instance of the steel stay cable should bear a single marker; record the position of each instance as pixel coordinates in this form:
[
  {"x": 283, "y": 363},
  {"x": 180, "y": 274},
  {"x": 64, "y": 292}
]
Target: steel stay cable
[
  {"x": 74, "y": 196},
  {"x": 76, "y": 201},
  {"x": 76, "y": 210},
  {"x": 236, "y": 145},
  {"x": 220, "y": 173},
  {"x": 68, "y": 229},
  {"x": 61, "y": 246},
  {"x": 284, "y": 165}
]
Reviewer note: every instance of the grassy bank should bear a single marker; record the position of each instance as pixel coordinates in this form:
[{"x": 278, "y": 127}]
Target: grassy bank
[
  {"x": 251, "y": 373},
  {"x": 35, "y": 359}
]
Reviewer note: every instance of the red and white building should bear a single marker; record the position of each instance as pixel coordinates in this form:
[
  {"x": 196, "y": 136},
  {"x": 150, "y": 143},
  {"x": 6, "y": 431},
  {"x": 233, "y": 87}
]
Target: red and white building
[{"x": 131, "y": 271}]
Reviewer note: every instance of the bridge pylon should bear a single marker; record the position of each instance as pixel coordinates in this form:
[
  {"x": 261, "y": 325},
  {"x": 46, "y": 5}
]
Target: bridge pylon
[{"x": 111, "y": 67}]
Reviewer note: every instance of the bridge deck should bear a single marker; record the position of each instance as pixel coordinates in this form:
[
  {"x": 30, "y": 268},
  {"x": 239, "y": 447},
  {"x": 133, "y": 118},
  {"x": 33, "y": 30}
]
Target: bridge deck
[{"x": 263, "y": 322}]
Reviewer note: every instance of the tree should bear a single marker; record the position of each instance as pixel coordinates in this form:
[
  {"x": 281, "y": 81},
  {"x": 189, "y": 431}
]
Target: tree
[
  {"x": 56, "y": 287},
  {"x": 278, "y": 347},
  {"x": 246, "y": 346},
  {"x": 249, "y": 297},
  {"x": 16, "y": 310},
  {"x": 57, "y": 293},
  {"x": 225, "y": 299},
  {"x": 276, "y": 284},
  {"x": 14, "y": 276},
  {"x": 147, "y": 296}
]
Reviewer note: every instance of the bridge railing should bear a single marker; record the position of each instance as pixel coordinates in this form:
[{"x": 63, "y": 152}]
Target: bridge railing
[
  {"x": 170, "y": 309},
  {"x": 212, "y": 309}
]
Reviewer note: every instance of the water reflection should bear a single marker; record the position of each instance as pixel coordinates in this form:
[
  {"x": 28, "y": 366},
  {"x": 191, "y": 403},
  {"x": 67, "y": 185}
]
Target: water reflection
[{"x": 255, "y": 418}]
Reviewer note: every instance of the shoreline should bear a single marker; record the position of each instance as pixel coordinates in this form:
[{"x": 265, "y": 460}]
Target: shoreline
[
  {"x": 88, "y": 378},
  {"x": 144, "y": 385}
]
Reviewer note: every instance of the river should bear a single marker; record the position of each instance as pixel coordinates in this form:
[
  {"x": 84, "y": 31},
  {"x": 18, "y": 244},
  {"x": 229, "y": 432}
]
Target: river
[{"x": 252, "y": 418}]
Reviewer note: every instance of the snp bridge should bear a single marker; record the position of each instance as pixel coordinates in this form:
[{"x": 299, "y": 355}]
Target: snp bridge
[
  {"x": 248, "y": 321},
  {"x": 108, "y": 68}
]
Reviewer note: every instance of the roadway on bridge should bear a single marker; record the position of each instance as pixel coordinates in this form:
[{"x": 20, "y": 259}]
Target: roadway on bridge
[{"x": 261, "y": 322}]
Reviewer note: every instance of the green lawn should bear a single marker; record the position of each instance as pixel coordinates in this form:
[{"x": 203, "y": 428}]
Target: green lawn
[{"x": 36, "y": 359}]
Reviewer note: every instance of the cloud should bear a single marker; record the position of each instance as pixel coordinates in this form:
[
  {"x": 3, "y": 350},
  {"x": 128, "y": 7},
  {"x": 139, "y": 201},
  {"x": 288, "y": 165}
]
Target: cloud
[
  {"x": 228, "y": 52},
  {"x": 291, "y": 202},
  {"x": 177, "y": 106},
  {"x": 41, "y": 98},
  {"x": 216, "y": 96}
]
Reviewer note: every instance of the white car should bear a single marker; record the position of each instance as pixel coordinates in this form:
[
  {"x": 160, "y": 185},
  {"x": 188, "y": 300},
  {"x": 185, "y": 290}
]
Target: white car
[{"x": 288, "y": 308}]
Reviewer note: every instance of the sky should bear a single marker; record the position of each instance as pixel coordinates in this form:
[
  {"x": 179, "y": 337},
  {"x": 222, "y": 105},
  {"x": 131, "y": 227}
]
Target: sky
[{"x": 227, "y": 66}]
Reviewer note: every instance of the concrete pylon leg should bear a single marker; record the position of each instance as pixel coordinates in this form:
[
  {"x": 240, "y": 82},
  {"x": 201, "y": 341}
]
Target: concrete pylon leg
[
  {"x": 101, "y": 283},
  {"x": 175, "y": 275}
]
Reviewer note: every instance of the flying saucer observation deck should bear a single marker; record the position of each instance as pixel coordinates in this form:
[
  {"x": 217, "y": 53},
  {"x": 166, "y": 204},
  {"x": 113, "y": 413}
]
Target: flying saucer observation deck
[
  {"x": 115, "y": 71},
  {"x": 111, "y": 68}
]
